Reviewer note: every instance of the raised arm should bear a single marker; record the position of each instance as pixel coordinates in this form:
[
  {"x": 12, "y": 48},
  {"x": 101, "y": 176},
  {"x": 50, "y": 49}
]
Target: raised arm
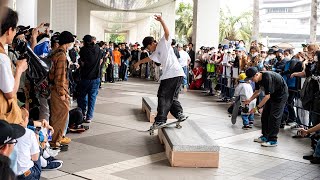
[{"x": 165, "y": 28}]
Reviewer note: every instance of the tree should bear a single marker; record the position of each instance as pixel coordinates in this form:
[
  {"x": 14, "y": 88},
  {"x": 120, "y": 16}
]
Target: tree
[
  {"x": 235, "y": 27},
  {"x": 184, "y": 22},
  {"x": 313, "y": 21},
  {"x": 117, "y": 38}
]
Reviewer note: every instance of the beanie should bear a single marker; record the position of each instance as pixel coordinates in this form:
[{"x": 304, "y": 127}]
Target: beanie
[{"x": 65, "y": 38}]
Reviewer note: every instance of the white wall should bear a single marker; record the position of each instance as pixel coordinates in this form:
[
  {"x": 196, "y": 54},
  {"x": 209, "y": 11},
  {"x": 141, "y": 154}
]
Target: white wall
[
  {"x": 140, "y": 31},
  {"x": 64, "y": 15},
  {"x": 27, "y": 10},
  {"x": 96, "y": 28}
]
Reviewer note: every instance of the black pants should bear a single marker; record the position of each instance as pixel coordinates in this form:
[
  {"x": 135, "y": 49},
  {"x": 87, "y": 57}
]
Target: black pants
[
  {"x": 109, "y": 77},
  {"x": 168, "y": 98},
  {"x": 271, "y": 118},
  {"x": 291, "y": 113}
]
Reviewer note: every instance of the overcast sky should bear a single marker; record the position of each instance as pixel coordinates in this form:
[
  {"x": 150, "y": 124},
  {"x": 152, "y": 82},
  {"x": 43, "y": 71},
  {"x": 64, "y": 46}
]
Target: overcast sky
[{"x": 236, "y": 6}]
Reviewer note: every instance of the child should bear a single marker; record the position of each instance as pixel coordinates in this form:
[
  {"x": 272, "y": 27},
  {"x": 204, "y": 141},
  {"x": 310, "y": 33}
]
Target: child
[
  {"x": 28, "y": 152},
  {"x": 245, "y": 91}
]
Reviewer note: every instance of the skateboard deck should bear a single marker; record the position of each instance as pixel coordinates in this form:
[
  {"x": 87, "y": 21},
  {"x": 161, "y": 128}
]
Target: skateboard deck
[
  {"x": 235, "y": 110},
  {"x": 177, "y": 122}
]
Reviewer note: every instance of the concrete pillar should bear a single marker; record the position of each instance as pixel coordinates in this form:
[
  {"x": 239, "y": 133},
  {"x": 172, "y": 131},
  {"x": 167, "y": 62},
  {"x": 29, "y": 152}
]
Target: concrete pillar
[
  {"x": 44, "y": 7},
  {"x": 27, "y": 12},
  {"x": 64, "y": 15},
  {"x": 206, "y": 15}
]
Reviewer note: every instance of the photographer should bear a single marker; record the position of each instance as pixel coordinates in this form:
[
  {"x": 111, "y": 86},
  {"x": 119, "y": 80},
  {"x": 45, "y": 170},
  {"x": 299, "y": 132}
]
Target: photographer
[{"x": 9, "y": 85}]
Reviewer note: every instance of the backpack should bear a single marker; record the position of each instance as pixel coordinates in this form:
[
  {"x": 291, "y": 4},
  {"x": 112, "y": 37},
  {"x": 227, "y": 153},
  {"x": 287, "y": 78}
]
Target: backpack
[{"x": 310, "y": 92}]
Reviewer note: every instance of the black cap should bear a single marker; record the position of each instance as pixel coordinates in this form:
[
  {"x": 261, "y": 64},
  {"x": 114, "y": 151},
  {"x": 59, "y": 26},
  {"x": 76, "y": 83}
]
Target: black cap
[
  {"x": 9, "y": 132},
  {"x": 87, "y": 38},
  {"x": 271, "y": 51},
  {"x": 65, "y": 38},
  {"x": 280, "y": 51},
  {"x": 250, "y": 72}
]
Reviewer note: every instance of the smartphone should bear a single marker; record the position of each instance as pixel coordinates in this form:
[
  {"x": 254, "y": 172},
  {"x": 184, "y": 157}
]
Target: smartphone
[
  {"x": 49, "y": 135},
  {"x": 46, "y": 25}
]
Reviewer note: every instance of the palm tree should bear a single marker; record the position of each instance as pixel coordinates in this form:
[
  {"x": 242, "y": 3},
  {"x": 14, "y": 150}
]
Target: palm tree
[
  {"x": 235, "y": 27},
  {"x": 313, "y": 21},
  {"x": 256, "y": 20},
  {"x": 184, "y": 22}
]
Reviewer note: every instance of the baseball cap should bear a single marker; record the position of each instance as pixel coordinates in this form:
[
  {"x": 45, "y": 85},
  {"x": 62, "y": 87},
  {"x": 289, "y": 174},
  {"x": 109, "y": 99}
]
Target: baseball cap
[
  {"x": 250, "y": 72},
  {"x": 22, "y": 29},
  {"x": 10, "y": 132},
  {"x": 242, "y": 76},
  {"x": 280, "y": 51}
]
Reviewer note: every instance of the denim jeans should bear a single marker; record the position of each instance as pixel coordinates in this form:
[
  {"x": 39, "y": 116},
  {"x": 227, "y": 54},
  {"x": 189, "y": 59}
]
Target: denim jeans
[
  {"x": 185, "y": 79},
  {"x": 87, "y": 96},
  {"x": 35, "y": 172},
  {"x": 246, "y": 118},
  {"x": 317, "y": 150},
  {"x": 168, "y": 98}
]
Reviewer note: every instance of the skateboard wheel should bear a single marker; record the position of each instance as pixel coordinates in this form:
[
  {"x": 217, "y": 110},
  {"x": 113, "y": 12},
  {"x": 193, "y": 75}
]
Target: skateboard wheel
[
  {"x": 151, "y": 133},
  {"x": 178, "y": 126}
]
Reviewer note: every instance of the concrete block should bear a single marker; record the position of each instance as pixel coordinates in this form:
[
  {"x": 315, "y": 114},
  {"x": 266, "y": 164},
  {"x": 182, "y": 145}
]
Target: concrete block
[
  {"x": 189, "y": 146},
  {"x": 149, "y": 106}
]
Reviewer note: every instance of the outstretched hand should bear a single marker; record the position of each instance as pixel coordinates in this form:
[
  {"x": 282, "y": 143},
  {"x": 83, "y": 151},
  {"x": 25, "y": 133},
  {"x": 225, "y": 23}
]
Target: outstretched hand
[
  {"x": 136, "y": 66},
  {"x": 158, "y": 17}
]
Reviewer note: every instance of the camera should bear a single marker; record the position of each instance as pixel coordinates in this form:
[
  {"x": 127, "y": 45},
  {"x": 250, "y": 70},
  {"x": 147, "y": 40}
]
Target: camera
[{"x": 38, "y": 68}]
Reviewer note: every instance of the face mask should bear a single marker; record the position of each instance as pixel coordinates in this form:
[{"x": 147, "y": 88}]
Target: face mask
[
  {"x": 71, "y": 46},
  {"x": 255, "y": 54}
]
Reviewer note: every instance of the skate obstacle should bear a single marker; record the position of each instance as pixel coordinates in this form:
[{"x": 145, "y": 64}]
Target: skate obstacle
[
  {"x": 189, "y": 146},
  {"x": 149, "y": 106}
]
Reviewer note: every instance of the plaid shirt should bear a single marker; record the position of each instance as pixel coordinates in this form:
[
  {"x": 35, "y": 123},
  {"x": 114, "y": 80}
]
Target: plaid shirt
[{"x": 58, "y": 73}]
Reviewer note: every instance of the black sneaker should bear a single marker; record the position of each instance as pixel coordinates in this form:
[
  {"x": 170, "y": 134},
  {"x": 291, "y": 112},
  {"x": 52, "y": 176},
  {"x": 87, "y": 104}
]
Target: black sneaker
[
  {"x": 246, "y": 127},
  {"x": 308, "y": 157},
  {"x": 251, "y": 123},
  {"x": 282, "y": 126},
  {"x": 156, "y": 124},
  {"x": 181, "y": 117},
  {"x": 315, "y": 160},
  {"x": 52, "y": 159},
  {"x": 53, "y": 165}
]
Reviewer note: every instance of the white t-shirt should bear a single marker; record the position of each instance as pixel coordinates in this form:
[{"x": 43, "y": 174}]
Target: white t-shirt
[
  {"x": 6, "y": 76},
  {"x": 245, "y": 91},
  {"x": 27, "y": 145},
  {"x": 184, "y": 57},
  {"x": 164, "y": 54}
]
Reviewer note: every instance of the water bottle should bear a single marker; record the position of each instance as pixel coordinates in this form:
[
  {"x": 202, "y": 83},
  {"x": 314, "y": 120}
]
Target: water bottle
[{"x": 49, "y": 135}]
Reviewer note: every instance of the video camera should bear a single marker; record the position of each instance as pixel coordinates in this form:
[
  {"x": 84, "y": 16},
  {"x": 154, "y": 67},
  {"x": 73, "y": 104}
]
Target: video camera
[{"x": 38, "y": 68}]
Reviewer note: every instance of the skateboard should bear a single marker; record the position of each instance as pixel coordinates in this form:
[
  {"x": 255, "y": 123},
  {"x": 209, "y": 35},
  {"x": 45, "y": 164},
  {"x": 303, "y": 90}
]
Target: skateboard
[
  {"x": 235, "y": 110},
  {"x": 177, "y": 122}
]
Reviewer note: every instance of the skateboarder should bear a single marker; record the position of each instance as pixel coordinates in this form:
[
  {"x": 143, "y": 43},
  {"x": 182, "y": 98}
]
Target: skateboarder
[
  {"x": 171, "y": 78},
  {"x": 276, "y": 95}
]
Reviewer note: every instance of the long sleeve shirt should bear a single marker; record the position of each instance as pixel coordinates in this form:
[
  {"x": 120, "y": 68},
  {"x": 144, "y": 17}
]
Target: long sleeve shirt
[{"x": 58, "y": 73}]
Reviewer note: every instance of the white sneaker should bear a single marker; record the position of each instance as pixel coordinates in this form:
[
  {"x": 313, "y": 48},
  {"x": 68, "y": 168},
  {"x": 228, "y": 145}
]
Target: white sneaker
[
  {"x": 53, "y": 153},
  {"x": 269, "y": 144}
]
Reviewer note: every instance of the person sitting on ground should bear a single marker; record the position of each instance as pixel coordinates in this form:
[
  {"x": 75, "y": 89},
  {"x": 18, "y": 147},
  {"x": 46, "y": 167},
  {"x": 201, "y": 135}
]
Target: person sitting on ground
[
  {"x": 315, "y": 157},
  {"x": 197, "y": 76},
  {"x": 28, "y": 150},
  {"x": 245, "y": 91}
]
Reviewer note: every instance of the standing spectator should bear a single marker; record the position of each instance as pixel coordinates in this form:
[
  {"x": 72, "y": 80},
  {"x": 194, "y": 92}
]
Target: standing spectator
[
  {"x": 60, "y": 89},
  {"x": 175, "y": 49},
  {"x": 90, "y": 60},
  {"x": 281, "y": 61},
  {"x": 192, "y": 55},
  {"x": 125, "y": 55},
  {"x": 117, "y": 62},
  {"x": 184, "y": 61},
  {"x": 9, "y": 85}
]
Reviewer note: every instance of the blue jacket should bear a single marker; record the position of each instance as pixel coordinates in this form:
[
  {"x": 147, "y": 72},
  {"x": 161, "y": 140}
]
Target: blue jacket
[
  {"x": 289, "y": 68},
  {"x": 42, "y": 48}
]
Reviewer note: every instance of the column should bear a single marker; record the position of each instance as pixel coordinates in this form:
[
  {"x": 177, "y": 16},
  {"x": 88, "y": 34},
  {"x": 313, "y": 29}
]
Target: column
[
  {"x": 64, "y": 15},
  {"x": 206, "y": 15},
  {"x": 27, "y": 11},
  {"x": 44, "y": 7}
]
